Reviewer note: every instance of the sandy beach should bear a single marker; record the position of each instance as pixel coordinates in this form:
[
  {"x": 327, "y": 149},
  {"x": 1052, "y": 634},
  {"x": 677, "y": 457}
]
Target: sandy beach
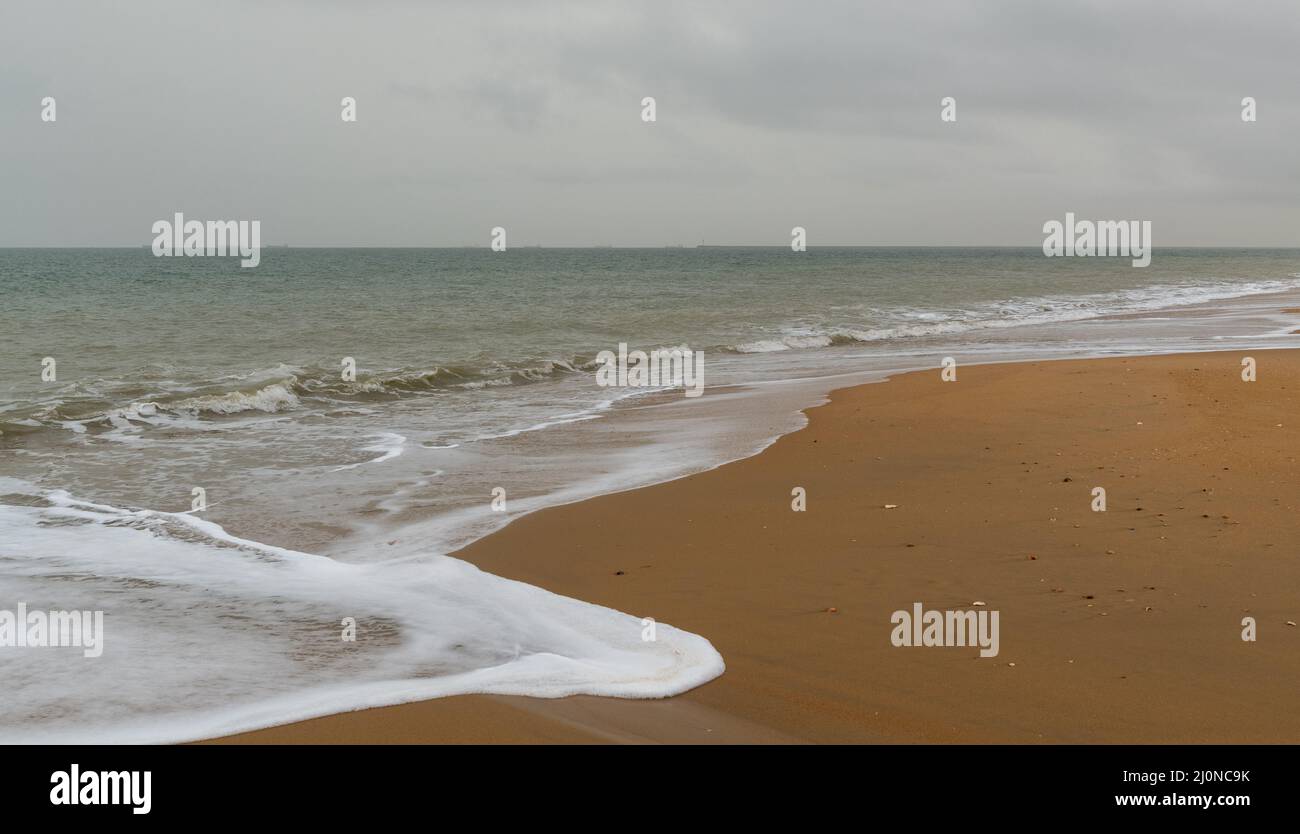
[{"x": 1116, "y": 626}]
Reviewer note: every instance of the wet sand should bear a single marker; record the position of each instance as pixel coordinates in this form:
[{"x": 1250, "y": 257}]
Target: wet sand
[{"x": 1115, "y": 626}]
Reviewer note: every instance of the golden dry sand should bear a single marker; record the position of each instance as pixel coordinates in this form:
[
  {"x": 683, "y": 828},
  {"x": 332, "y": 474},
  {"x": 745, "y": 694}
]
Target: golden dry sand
[{"x": 1116, "y": 626}]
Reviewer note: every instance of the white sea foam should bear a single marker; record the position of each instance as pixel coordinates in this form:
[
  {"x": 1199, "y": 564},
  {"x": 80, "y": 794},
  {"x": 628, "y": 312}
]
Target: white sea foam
[
  {"x": 389, "y": 446},
  {"x": 270, "y": 398},
  {"x": 207, "y": 633}
]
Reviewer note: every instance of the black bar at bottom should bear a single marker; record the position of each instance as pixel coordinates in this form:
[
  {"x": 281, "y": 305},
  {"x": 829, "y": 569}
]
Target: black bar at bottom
[{"x": 332, "y": 783}]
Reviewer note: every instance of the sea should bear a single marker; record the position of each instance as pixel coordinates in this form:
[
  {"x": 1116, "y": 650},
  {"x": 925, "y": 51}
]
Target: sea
[{"x": 183, "y": 448}]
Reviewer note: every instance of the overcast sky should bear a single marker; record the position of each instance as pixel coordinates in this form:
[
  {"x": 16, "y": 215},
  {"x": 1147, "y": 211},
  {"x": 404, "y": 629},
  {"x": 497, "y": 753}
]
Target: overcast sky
[{"x": 528, "y": 116}]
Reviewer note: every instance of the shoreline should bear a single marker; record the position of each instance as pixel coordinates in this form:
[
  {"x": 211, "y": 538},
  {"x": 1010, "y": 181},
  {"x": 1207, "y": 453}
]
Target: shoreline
[{"x": 1122, "y": 626}]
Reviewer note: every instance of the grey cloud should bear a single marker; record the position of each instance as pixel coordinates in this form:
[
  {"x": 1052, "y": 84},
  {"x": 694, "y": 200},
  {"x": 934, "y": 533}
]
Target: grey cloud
[{"x": 818, "y": 113}]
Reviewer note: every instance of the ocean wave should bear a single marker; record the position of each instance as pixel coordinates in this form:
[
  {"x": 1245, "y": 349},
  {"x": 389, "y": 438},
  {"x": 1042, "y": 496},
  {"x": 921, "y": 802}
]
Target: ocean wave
[
  {"x": 788, "y": 342},
  {"x": 911, "y": 323},
  {"x": 395, "y": 383},
  {"x": 271, "y": 399},
  {"x": 194, "y": 404},
  {"x": 126, "y": 407}
]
